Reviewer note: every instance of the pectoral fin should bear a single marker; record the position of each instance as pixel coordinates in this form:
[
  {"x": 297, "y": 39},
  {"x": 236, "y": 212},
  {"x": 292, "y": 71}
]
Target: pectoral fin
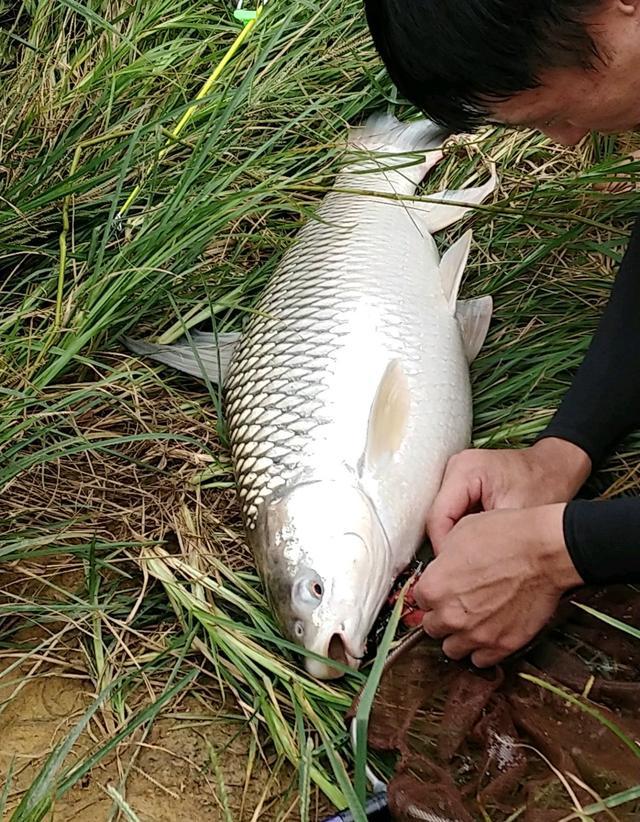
[
  {"x": 204, "y": 355},
  {"x": 389, "y": 417}
]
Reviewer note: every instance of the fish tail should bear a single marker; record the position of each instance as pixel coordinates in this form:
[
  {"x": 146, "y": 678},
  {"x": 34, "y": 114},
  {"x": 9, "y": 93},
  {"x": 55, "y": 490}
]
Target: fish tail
[{"x": 383, "y": 134}]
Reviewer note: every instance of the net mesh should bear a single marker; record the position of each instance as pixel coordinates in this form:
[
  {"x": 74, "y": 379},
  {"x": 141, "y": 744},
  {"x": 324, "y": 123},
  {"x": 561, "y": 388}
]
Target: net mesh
[{"x": 486, "y": 744}]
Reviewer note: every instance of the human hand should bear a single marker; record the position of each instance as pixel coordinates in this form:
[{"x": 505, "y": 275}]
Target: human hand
[
  {"x": 496, "y": 582},
  {"x": 552, "y": 470}
]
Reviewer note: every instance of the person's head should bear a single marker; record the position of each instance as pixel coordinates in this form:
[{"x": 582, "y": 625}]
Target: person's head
[{"x": 564, "y": 67}]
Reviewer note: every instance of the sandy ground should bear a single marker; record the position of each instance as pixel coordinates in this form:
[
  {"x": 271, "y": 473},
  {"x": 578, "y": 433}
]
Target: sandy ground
[{"x": 171, "y": 777}]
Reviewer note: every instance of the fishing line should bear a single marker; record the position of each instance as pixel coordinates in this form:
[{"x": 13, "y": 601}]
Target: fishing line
[{"x": 248, "y": 18}]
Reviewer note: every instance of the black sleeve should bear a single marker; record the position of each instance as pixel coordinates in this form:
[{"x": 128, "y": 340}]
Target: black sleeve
[
  {"x": 603, "y": 539},
  {"x": 603, "y": 402},
  {"x": 600, "y": 408}
]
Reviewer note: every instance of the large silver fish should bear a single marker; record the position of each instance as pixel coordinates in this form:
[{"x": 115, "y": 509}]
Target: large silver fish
[{"x": 348, "y": 390}]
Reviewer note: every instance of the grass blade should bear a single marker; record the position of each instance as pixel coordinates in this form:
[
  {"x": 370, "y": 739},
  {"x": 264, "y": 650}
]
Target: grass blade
[
  {"x": 365, "y": 702},
  {"x": 609, "y": 620}
]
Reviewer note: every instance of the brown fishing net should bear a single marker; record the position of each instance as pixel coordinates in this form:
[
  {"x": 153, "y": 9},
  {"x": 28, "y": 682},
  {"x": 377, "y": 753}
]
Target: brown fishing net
[{"x": 479, "y": 745}]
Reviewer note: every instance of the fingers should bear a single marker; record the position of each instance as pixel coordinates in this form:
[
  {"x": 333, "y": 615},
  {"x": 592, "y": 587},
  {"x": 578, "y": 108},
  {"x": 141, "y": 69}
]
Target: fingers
[
  {"x": 487, "y": 657},
  {"x": 435, "y": 626},
  {"x": 461, "y": 645},
  {"x": 463, "y": 633},
  {"x": 458, "y": 646},
  {"x": 428, "y": 591},
  {"x": 460, "y": 493}
]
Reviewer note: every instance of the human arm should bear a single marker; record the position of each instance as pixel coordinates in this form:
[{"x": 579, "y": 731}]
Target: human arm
[
  {"x": 498, "y": 576},
  {"x": 603, "y": 402},
  {"x": 600, "y": 408}
]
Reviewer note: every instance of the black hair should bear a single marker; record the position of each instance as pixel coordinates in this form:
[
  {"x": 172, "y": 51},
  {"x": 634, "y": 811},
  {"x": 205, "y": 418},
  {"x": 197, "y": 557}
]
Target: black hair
[{"x": 451, "y": 58}]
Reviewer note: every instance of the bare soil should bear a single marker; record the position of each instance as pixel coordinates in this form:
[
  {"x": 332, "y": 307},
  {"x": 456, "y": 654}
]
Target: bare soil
[{"x": 171, "y": 771}]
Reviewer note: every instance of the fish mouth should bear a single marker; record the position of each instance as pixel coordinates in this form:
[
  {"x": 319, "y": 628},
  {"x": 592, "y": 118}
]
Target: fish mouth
[{"x": 338, "y": 650}]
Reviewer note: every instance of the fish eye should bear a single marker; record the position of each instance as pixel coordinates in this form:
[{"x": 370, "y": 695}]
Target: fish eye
[
  {"x": 316, "y": 589},
  {"x": 298, "y": 629},
  {"x": 307, "y": 592}
]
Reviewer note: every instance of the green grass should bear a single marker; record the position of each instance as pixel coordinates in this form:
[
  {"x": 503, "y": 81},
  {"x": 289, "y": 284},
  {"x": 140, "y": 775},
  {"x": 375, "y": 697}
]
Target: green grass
[{"x": 129, "y": 203}]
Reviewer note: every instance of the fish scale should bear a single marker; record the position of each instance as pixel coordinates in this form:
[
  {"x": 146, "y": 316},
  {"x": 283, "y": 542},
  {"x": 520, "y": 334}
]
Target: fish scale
[
  {"x": 348, "y": 390},
  {"x": 310, "y": 298}
]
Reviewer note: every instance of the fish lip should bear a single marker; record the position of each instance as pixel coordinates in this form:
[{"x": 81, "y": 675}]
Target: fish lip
[
  {"x": 321, "y": 669},
  {"x": 349, "y": 649}
]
